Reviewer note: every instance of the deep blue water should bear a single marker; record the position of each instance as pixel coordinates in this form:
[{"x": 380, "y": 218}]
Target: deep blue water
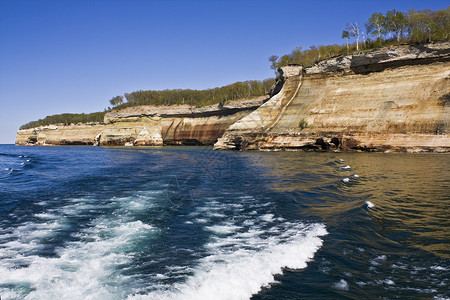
[{"x": 192, "y": 223}]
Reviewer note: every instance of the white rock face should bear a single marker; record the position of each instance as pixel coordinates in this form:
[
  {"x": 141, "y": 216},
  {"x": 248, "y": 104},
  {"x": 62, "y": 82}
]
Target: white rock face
[
  {"x": 146, "y": 138},
  {"x": 75, "y": 134},
  {"x": 147, "y": 126},
  {"x": 387, "y": 100}
]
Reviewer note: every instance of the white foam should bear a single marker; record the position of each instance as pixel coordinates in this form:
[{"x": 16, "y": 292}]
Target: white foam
[
  {"x": 46, "y": 216},
  {"x": 161, "y": 276},
  {"x": 439, "y": 297},
  {"x": 84, "y": 269},
  {"x": 201, "y": 220},
  {"x": 376, "y": 260},
  {"x": 27, "y": 237},
  {"x": 341, "y": 285},
  {"x": 345, "y": 180},
  {"x": 240, "y": 273},
  {"x": 370, "y": 204},
  {"x": 80, "y": 268},
  {"x": 355, "y": 176},
  {"x": 439, "y": 268},
  {"x": 216, "y": 215},
  {"x": 347, "y": 167},
  {"x": 10, "y": 294},
  {"x": 225, "y": 229},
  {"x": 267, "y": 217},
  {"x": 248, "y": 222},
  {"x": 244, "y": 253}
]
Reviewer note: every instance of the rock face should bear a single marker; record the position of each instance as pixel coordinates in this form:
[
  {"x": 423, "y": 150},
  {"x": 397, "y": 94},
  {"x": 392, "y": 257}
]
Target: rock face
[
  {"x": 173, "y": 125},
  {"x": 387, "y": 100},
  {"x": 392, "y": 99},
  {"x": 79, "y": 134},
  {"x": 146, "y": 126}
]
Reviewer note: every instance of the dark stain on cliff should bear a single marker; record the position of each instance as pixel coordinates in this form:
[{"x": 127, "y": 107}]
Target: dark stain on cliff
[
  {"x": 444, "y": 100},
  {"x": 360, "y": 64}
]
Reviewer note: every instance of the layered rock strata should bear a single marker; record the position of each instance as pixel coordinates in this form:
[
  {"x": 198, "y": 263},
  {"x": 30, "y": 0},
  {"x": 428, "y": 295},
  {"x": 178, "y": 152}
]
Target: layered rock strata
[
  {"x": 394, "y": 99},
  {"x": 76, "y": 134},
  {"x": 146, "y": 126}
]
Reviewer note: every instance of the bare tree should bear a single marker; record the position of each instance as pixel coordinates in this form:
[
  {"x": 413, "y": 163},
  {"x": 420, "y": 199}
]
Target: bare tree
[
  {"x": 364, "y": 37},
  {"x": 354, "y": 30}
]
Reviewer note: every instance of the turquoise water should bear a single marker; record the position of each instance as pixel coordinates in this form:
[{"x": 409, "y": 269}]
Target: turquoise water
[{"x": 192, "y": 223}]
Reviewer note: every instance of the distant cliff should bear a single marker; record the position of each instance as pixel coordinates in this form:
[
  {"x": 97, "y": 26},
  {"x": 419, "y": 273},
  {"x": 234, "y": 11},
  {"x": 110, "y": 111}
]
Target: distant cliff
[
  {"x": 146, "y": 126},
  {"x": 392, "y": 99}
]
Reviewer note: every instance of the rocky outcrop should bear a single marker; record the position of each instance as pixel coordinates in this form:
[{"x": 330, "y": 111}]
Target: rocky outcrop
[
  {"x": 174, "y": 125},
  {"x": 146, "y": 138},
  {"x": 394, "y": 99},
  {"x": 76, "y": 134},
  {"x": 147, "y": 126}
]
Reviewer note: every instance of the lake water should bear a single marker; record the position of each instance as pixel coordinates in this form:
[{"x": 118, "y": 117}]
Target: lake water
[{"x": 192, "y": 223}]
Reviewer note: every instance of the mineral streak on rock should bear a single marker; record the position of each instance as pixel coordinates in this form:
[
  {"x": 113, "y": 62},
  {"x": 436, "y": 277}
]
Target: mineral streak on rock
[
  {"x": 393, "y": 99},
  {"x": 146, "y": 126}
]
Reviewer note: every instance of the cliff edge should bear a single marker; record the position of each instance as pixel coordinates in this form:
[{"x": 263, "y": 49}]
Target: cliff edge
[
  {"x": 146, "y": 126},
  {"x": 392, "y": 99}
]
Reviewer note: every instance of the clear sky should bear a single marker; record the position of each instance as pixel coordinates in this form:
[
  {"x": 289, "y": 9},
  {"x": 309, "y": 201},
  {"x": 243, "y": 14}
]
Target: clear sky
[{"x": 74, "y": 55}]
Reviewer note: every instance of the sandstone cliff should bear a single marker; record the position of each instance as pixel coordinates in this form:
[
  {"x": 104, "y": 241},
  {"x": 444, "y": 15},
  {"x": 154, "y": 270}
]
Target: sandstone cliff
[
  {"x": 146, "y": 126},
  {"x": 394, "y": 99},
  {"x": 77, "y": 134}
]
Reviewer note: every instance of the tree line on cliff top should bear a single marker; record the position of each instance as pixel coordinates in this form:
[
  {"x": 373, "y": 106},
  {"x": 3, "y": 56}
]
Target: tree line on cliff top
[
  {"x": 392, "y": 28},
  {"x": 218, "y": 95},
  {"x": 66, "y": 119}
]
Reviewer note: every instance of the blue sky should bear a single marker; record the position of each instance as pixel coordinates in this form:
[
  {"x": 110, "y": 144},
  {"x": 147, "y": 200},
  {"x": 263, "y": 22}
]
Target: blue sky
[{"x": 73, "y": 56}]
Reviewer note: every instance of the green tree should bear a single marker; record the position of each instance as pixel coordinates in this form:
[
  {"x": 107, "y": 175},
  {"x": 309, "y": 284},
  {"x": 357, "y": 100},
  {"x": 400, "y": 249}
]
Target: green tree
[
  {"x": 375, "y": 26},
  {"x": 346, "y": 35},
  {"x": 420, "y": 25},
  {"x": 273, "y": 63},
  {"x": 396, "y": 22},
  {"x": 66, "y": 119},
  {"x": 426, "y": 25},
  {"x": 116, "y": 100},
  {"x": 442, "y": 19},
  {"x": 237, "y": 90}
]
